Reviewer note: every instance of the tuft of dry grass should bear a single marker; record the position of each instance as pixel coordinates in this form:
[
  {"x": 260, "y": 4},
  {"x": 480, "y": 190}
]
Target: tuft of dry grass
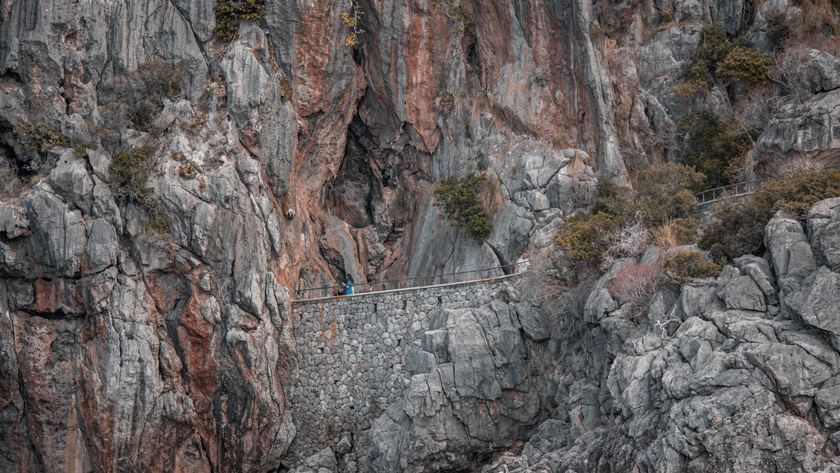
[
  {"x": 674, "y": 233},
  {"x": 635, "y": 284},
  {"x": 665, "y": 236}
]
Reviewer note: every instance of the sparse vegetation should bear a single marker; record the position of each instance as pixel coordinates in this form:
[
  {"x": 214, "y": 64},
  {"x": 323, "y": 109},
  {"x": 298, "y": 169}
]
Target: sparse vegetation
[
  {"x": 739, "y": 225},
  {"x": 230, "y": 13},
  {"x": 186, "y": 169},
  {"x": 41, "y": 138},
  {"x": 130, "y": 170},
  {"x": 683, "y": 267},
  {"x": 446, "y": 100},
  {"x": 286, "y": 90},
  {"x": 144, "y": 89},
  {"x": 778, "y": 30},
  {"x": 618, "y": 226},
  {"x": 129, "y": 175},
  {"x": 80, "y": 151},
  {"x": 629, "y": 242},
  {"x": 465, "y": 203},
  {"x": 789, "y": 73},
  {"x": 718, "y": 58},
  {"x": 635, "y": 283},
  {"x": 352, "y": 19},
  {"x": 455, "y": 12},
  {"x": 680, "y": 231},
  {"x": 193, "y": 126},
  {"x": 709, "y": 144},
  {"x": 159, "y": 224}
]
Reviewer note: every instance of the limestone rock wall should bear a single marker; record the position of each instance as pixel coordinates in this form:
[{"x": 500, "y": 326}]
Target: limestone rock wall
[
  {"x": 737, "y": 373},
  {"x": 285, "y": 154}
]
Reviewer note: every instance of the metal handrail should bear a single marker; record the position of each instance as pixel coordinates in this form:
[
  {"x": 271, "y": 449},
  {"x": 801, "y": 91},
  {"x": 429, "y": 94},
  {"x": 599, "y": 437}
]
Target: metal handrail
[
  {"x": 405, "y": 283},
  {"x": 715, "y": 194}
]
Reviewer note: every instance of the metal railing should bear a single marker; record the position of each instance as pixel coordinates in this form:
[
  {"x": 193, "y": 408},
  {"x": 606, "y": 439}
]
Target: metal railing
[
  {"x": 715, "y": 194},
  {"x": 415, "y": 282},
  {"x": 740, "y": 189}
]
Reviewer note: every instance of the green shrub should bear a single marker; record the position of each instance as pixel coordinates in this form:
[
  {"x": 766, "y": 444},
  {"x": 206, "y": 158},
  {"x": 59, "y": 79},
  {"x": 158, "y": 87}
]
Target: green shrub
[
  {"x": 703, "y": 62},
  {"x": 739, "y": 225},
  {"x": 683, "y": 267},
  {"x": 666, "y": 192},
  {"x": 130, "y": 170},
  {"x": 615, "y": 201},
  {"x": 585, "y": 238},
  {"x": 663, "y": 192},
  {"x": 718, "y": 58},
  {"x": 41, "y": 138},
  {"x": 158, "y": 223},
  {"x": 463, "y": 202},
  {"x": 286, "y": 90},
  {"x": 710, "y": 144},
  {"x": 230, "y": 13},
  {"x": 746, "y": 64}
]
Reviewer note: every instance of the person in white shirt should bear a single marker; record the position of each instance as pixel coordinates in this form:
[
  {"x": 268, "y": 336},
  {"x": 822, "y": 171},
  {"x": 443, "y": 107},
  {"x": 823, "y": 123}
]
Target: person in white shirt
[{"x": 522, "y": 263}]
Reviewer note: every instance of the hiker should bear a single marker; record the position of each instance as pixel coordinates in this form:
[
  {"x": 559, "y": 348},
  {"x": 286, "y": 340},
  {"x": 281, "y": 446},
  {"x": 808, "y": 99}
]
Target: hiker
[
  {"x": 348, "y": 285},
  {"x": 300, "y": 288},
  {"x": 522, "y": 263}
]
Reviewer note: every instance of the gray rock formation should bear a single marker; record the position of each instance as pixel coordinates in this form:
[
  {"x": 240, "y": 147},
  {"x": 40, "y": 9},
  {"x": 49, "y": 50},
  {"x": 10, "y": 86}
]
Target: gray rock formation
[
  {"x": 151, "y": 333},
  {"x": 733, "y": 384}
]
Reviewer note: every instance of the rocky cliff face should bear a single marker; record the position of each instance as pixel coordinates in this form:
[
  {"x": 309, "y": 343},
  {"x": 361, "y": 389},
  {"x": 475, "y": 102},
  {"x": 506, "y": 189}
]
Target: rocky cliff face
[
  {"x": 145, "y": 327},
  {"x": 737, "y": 373}
]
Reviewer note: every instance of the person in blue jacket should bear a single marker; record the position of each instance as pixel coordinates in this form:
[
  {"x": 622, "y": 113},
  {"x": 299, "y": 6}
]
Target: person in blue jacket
[{"x": 348, "y": 285}]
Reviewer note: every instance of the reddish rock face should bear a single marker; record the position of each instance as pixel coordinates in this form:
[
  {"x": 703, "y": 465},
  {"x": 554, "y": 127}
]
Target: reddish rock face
[{"x": 152, "y": 334}]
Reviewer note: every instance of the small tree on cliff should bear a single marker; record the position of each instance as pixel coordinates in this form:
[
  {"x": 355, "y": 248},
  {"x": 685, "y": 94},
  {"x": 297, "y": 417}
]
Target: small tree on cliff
[{"x": 468, "y": 203}]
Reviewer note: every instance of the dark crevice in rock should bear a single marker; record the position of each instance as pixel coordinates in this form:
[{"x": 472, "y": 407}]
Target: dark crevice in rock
[
  {"x": 502, "y": 260},
  {"x": 352, "y": 193},
  {"x": 11, "y": 76}
]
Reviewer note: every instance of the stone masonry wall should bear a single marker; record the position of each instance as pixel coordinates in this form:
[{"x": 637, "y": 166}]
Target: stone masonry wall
[{"x": 356, "y": 356}]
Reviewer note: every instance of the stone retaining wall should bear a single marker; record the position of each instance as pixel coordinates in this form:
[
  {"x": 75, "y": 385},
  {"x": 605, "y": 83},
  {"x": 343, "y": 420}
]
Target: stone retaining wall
[{"x": 355, "y": 357}]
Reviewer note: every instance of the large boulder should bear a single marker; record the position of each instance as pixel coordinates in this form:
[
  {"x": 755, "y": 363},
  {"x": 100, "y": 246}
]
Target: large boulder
[{"x": 824, "y": 232}]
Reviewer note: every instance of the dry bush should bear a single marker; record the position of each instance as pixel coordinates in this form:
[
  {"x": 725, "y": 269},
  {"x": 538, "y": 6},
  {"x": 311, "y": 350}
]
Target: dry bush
[
  {"x": 665, "y": 236},
  {"x": 740, "y": 169},
  {"x": 143, "y": 90},
  {"x": 757, "y": 106},
  {"x": 543, "y": 277},
  {"x": 818, "y": 25},
  {"x": 635, "y": 284},
  {"x": 790, "y": 72},
  {"x": 797, "y": 165},
  {"x": 629, "y": 242}
]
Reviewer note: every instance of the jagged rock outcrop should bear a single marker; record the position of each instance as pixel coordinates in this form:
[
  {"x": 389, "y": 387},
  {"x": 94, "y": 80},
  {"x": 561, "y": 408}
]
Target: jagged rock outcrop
[
  {"x": 479, "y": 389},
  {"x": 734, "y": 374},
  {"x": 119, "y": 344}
]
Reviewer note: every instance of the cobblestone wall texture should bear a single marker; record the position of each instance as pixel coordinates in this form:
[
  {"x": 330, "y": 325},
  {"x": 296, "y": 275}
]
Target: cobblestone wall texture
[{"x": 357, "y": 354}]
